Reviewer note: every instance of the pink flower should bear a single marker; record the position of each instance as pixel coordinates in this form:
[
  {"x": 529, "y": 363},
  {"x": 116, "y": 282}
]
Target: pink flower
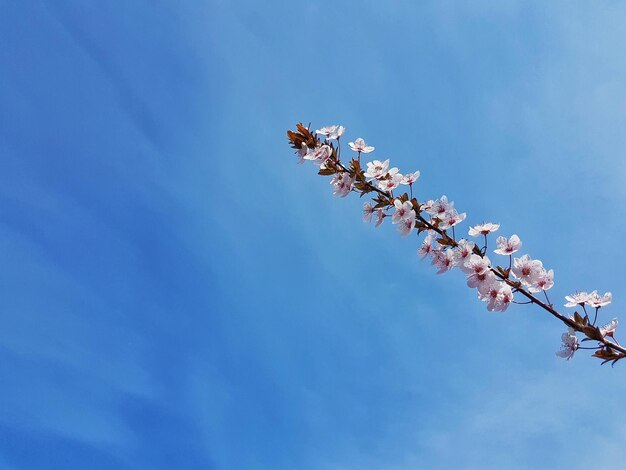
[
  {"x": 380, "y": 215},
  {"x": 476, "y": 264},
  {"x": 577, "y": 298},
  {"x": 544, "y": 281},
  {"x": 406, "y": 226},
  {"x": 404, "y": 210},
  {"x": 527, "y": 270},
  {"x": 359, "y": 146},
  {"x": 377, "y": 169},
  {"x": 368, "y": 210},
  {"x": 498, "y": 295},
  {"x": 342, "y": 184},
  {"x": 609, "y": 328},
  {"x": 427, "y": 246},
  {"x": 410, "y": 178},
  {"x": 331, "y": 132},
  {"x": 595, "y": 300},
  {"x": 570, "y": 344},
  {"x": 444, "y": 260},
  {"x": 391, "y": 183},
  {"x": 440, "y": 207},
  {"x": 319, "y": 154},
  {"x": 483, "y": 229},
  {"x": 463, "y": 251},
  {"x": 451, "y": 218},
  {"x": 508, "y": 247},
  {"x": 479, "y": 281}
]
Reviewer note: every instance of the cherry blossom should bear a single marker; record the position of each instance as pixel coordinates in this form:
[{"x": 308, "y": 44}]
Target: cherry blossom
[
  {"x": 331, "y": 132},
  {"x": 596, "y": 301},
  {"x": 404, "y": 210},
  {"x": 406, "y": 226},
  {"x": 483, "y": 229},
  {"x": 410, "y": 178},
  {"x": 543, "y": 282},
  {"x": 444, "y": 260},
  {"x": 360, "y": 146},
  {"x": 376, "y": 169},
  {"x": 609, "y": 328},
  {"x": 440, "y": 207},
  {"x": 368, "y": 210},
  {"x": 319, "y": 154},
  {"x": 494, "y": 284},
  {"x": 508, "y": 247},
  {"x": 498, "y": 295},
  {"x": 577, "y": 298},
  {"x": 392, "y": 183},
  {"x": 380, "y": 215},
  {"x": 570, "y": 344},
  {"x": 527, "y": 270},
  {"x": 479, "y": 280},
  {"x": 342, "y": 184},
  {"x": 476, "y": 264},
  {"x": 451, "y": 218},
  {"x": 426, "y": 247},
  {"x": 463, "y": 251}
]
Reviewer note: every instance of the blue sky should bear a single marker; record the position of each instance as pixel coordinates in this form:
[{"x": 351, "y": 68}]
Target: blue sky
[{"x": 177, "y": 293}]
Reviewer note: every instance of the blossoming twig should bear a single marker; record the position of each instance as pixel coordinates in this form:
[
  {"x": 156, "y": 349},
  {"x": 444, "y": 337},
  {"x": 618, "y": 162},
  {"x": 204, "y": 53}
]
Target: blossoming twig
[{"x": 495, "y": 285}]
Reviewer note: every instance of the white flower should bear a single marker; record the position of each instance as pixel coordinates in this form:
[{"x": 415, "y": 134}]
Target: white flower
[
  {"x": 331, "y": 132},
  {"x": 463, "y": 251},
  {"x": 444, "y": 260},
  {"x": 410, "y": 178},
  {"x": 368, "y": 210},
  {"x": 483, "y": 229},
  {"x": 498, "y": 295},
  {"x": 527, "y": 270},
  {"x": 377, "y": 169},
  {"x": 360, "y": 146},
  {"x": 427, "y": 246},
  {"x": 342, "y": 184},
  {"x": 508, "y": 247},
  {"x": 544, "y": 281},
  {"x": 577, "y": 298},
  {"x": 451, "y": 218},
  {"x": 380, "y": 215},
  {"x": 302, "y": 153},
  {"x": 391, "y": 183},
  {"x": 440, "y": 207},
  {"x": 404, "y": 210},
  {"x": 570, "y": 344},
  {"x": 476, "y": 264},
  {"x": 406, "y": 226},
  {"x": 595, "y": 300},
  {"x": 319, "y": 154},
  {"x": 427, "y": 206},
  {"x": 479, "y": 281},
  {"x": 609, "y": 328}
]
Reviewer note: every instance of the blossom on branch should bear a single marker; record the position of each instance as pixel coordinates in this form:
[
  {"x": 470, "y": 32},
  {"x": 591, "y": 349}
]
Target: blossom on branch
[
  {"x": 483, "y": 229},
  {"x": 331, "y": 132},
  {"x": 410, "y": 178},
  {"x": 508, "y": 247},
  {"x": 404, "y": 210},
  {"x": 577, "y": 298},
  {"x": 360, "y": 146},
  {"x": 377, "y": 169},
  {"x": 570, "y": 344},
  {"x": 596, "y": 300},
  {"x": 496, "y": 285}
]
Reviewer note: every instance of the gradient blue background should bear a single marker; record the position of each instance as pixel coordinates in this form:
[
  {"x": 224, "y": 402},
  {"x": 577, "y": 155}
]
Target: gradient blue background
[{"x": 176, "y": 292}]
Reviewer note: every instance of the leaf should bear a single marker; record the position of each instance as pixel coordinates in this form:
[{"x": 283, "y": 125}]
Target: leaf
[{"x": 592, "y": 332}]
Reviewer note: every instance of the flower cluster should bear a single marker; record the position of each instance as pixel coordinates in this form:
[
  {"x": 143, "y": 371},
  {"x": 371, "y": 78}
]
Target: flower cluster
[{"x": 437, "y": 220}]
